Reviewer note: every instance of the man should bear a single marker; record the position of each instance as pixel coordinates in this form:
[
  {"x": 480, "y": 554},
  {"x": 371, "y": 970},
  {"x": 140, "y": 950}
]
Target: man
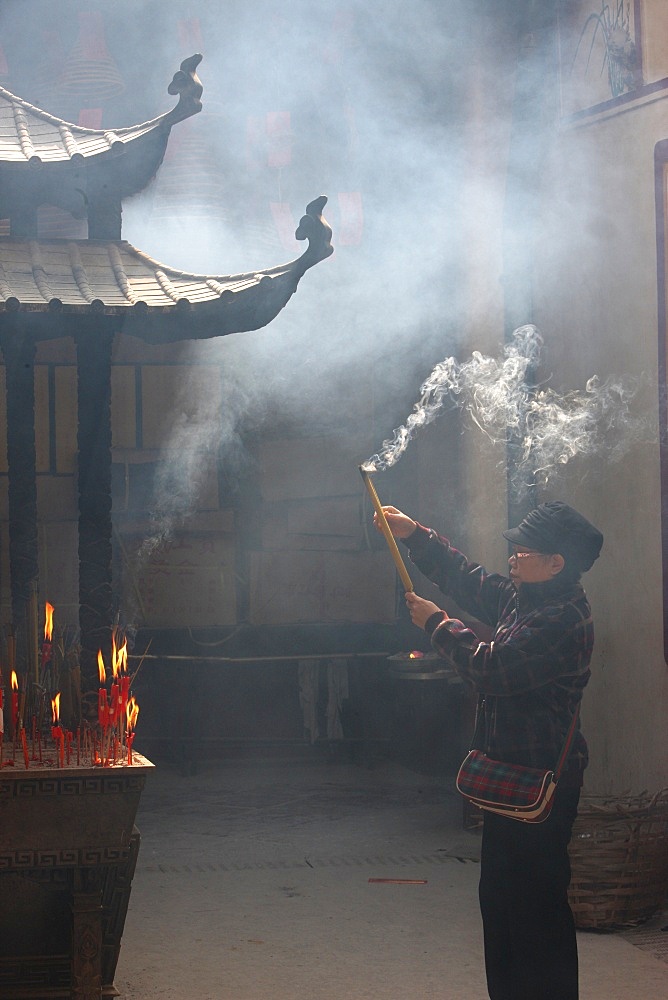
[{"x": 529, "y": 679}]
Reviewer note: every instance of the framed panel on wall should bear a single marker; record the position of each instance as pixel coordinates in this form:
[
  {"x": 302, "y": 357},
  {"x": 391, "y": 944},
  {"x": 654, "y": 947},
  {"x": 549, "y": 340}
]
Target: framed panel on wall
[
  {"x": 613, "y": 54},
  {"x": 661, "y": 175}
]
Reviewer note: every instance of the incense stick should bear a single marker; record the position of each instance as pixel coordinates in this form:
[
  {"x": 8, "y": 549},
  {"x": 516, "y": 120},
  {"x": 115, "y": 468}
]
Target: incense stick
[
  {"x": 399, "y": 881},
  {"x": 385, "y": 528},
  {"x": 148, "y": 646}
]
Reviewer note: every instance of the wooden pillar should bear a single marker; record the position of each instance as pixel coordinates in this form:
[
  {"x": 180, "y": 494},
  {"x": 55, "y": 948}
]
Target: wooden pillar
[
  {"x": 94, "y": 343},
  {"x": 18, "y": 347}
]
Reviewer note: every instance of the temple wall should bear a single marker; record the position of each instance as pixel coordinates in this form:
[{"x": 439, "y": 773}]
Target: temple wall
[
  {"x": 287, "y": 541},
  {"x": 596, "y": 302}
]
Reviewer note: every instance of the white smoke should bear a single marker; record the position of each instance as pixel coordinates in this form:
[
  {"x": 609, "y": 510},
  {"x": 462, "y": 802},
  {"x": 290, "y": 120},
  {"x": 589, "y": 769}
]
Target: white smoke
[
  {"x": 493, "y": 393},
  {"x": 202, "y": 434},
  {"x": 582, "y": 424},
  {"x": 545, "y": 429}
]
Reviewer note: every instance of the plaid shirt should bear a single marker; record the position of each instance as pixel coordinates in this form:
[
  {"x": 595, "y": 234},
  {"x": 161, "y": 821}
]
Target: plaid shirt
[{"x": 531, "y": 675}]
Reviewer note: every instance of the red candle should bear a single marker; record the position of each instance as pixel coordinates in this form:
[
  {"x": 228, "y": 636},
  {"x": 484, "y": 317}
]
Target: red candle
[
  {"x": 59, "y": 740},
  {"x": 132, "y": 713},
  {"x": 56, "y": 731},
  {"x": 125, "y": 691},
  {"x": 102, "y": 706},
  {"x": 47, "y": 650},
  {"x": 115, "y": 704},
  {"x": 15, "y": 702}
]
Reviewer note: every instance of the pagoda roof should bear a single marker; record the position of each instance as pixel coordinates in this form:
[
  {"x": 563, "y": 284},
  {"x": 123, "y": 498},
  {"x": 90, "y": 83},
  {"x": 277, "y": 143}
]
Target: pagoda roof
[
  {"x": 32, "y": 137},
  {"x": 42, "y": 280},
  {"x": 45, "y": 160}
]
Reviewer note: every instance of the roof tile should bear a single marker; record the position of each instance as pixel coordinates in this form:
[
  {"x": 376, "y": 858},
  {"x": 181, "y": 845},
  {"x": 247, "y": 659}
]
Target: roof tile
[{"x": 30, "y": 135}]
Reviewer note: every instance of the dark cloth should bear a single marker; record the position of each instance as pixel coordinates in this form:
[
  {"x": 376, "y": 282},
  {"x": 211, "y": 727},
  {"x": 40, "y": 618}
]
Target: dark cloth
[
  {"x": 530, "y": 677},
  {"x": 529, "y": 932}
]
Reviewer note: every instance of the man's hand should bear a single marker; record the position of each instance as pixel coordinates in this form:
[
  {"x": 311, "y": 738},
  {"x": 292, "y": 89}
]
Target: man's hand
[
  {"x": 401, "y": 525},
  {"x": 421, "y": 610}
]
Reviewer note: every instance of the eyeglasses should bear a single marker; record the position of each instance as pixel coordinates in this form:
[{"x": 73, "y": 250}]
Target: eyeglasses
[{"x": 524, "y": 555}]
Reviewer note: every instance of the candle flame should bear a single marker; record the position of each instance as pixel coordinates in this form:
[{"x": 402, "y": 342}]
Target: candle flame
[
  {"x": 48, "y": 621},
  {"x": 119, "y": 657},
  {"x": 100, "y": 667},
  {"x": 132, "y": 712},
  {"x": 55, "y": 708},
  {"x": 123, "y": 657},
  {"x": 15, "y": 681}
]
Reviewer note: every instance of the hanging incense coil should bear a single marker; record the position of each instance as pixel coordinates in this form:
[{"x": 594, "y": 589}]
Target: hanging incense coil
[
  {"x": 42, "y": 89},
  {"x": 90, "y": 70},
  {"x": 191, "y": 182}
]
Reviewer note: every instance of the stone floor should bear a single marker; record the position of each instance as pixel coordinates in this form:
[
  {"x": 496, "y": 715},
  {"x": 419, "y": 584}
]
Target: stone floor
[{"x": 310, "y": 876}]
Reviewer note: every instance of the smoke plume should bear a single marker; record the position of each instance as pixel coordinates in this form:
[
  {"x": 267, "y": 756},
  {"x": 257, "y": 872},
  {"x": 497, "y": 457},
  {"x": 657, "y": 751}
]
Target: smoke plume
[{"x": 544, "y": 428}]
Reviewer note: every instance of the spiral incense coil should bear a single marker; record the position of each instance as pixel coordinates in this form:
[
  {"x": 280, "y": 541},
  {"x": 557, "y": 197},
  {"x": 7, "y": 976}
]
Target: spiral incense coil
[{"x": 90, "y": 71}]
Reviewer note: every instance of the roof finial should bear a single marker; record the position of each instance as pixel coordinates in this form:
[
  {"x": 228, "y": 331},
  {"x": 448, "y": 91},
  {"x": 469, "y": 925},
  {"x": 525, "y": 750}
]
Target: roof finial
[
  {"x": 317, "y": 231},
  {"x": 187, "y": 84}
]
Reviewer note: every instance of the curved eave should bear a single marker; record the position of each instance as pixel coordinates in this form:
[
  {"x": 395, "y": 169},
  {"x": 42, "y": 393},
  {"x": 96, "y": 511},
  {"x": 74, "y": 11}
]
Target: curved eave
[
  {"x": 46, "y": 283},
  {"x": 63, "y": 183},
  {"x": 31, "y": 138}
]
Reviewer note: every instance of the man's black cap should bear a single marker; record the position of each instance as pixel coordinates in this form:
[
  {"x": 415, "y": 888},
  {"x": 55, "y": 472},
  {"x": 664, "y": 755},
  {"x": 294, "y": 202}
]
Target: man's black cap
[{"x": 556, "y": 527}]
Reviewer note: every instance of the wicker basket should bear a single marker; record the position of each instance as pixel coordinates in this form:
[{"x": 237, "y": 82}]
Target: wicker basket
[{"x": 619, "y": 860}]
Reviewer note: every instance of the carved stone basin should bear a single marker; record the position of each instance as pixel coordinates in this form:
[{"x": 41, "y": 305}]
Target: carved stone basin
[{"x": 68, "y": 850}]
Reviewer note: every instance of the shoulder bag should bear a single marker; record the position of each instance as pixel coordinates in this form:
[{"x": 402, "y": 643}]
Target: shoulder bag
[{"x": 511, "y": 790}]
